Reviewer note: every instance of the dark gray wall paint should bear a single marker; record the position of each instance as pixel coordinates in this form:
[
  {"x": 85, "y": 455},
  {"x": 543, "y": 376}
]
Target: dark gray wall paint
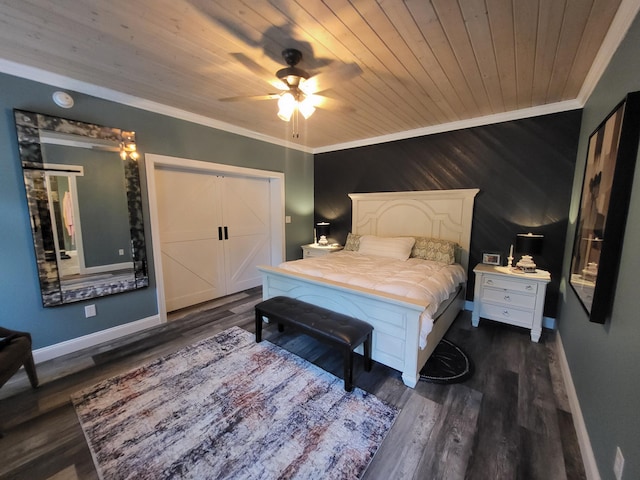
[
  {"x": 604, "y": 359},
  {"x": 524, "y": 170},
  {"x": 19, "y": 290}
]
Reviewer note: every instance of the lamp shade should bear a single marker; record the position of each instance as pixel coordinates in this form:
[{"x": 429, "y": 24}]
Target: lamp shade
[
  {"x": 322, "y": 228},
  {"x": 286, "y": 104},
  {"x": 529, "y": 244},
  {"x": 307, "y": 107}
]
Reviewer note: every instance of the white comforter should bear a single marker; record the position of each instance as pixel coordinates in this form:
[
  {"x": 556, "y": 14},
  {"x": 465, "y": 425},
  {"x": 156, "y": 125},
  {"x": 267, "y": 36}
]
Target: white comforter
[{"x": 424, "y": 280}]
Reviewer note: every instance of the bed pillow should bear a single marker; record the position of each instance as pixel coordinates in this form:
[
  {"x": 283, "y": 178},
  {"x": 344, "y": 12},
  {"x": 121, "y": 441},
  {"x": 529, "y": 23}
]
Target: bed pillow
[
  {"x": 435, "y": 249},
  {"x": 390, "y": 247},
  {"x": 353, "y": 242}
]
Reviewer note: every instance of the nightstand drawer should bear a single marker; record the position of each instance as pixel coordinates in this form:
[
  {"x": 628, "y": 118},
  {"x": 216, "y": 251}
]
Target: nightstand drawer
[
  {"x": 508, "y": 298},
  {"x": 510, "y": 284},
  {"x": 513, "y": 316},
  {"x": 314, "y": 250}
]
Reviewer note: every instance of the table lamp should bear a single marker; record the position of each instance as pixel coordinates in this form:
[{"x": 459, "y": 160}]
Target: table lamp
[
  {"x": 528, "y": 244},
  {"x": 322, "y": 232}
]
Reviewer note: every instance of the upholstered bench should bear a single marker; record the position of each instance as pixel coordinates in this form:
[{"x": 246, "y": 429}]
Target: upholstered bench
[{"x": 335, "y": 329}]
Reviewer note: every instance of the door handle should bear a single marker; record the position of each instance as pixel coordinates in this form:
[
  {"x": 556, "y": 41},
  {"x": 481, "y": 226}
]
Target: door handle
[
  {"x": 219, "y": 233},
  {"x": 226, "y": 233}
]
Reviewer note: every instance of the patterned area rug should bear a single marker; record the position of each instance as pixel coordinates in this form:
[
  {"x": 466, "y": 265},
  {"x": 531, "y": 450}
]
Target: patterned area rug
[{"x": 228, "y": 407}]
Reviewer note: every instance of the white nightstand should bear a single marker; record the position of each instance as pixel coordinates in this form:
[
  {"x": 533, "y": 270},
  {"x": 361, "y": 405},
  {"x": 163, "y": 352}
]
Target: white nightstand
[
  {"x": 506, "y": 296},
  {"x": 314, "y": 250}
]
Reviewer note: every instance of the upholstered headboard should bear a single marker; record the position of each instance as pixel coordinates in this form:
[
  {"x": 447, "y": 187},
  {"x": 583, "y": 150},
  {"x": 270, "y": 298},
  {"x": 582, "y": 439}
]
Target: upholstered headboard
[{"x": 445, "y": 214}]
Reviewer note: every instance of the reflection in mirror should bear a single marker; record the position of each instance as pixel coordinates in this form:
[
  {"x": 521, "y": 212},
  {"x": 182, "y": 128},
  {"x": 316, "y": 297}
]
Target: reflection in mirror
[{"x": 83, "y": 191}]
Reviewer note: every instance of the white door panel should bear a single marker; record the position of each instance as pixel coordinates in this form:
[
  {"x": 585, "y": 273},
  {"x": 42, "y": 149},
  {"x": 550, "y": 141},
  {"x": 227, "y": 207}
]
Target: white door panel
[
  {"x": 189, "y": 286},
  {"x": 192, "y": 206},
  {"x": 192, "y": 255},
  {"x": 246, "y": 213},
  {"x": 244, "y": 254}
]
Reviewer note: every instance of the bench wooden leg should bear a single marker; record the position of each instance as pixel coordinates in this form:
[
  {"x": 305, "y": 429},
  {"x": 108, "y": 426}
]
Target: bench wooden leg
[
  {"x": 258, "y": 326},
  {"x": 348, "y": 370},
  {"x": 367, "y": 354}
]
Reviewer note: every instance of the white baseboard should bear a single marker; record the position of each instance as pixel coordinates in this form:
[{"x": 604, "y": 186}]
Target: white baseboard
[
  {"x": 69, "y": 346},
  {"x": 589, "y": 460}
]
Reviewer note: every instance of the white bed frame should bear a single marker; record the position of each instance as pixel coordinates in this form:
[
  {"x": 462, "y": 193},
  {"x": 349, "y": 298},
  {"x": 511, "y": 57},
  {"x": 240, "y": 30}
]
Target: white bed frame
[{"x": 445, "y": 214}]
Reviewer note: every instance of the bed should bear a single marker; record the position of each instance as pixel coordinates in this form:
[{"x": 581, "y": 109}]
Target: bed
[{"x": 397, "y": 319}]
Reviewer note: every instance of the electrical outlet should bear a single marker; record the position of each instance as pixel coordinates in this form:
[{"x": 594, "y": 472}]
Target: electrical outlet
[
  {"x": 90, "y": 311},
  {"x": 618, "y": 464},
  {"x": 121, "y": 251},
  {"x": 287, "y": 219}
]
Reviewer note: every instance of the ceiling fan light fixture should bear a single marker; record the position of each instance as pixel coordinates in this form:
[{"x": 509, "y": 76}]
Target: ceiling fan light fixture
[
  {"x": 286, "y": 104},
  {"x": 307, "y": 106}
]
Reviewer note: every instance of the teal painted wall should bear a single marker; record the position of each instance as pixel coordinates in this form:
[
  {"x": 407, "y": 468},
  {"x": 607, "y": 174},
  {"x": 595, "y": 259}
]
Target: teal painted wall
[
  {"x": 19, "y": 290},
  {"x": 604, "y": 359},
  {"x": 102, "y": 196}
]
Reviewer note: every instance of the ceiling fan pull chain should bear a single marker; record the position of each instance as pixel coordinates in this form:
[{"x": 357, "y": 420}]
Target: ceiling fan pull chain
[{"x": 294, "y": 124}]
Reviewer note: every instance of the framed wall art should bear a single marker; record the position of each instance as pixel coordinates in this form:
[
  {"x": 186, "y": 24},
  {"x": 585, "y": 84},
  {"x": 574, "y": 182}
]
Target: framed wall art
[
  {"x": 491, "y": 258},
  {"x": 604, "y": 204}
]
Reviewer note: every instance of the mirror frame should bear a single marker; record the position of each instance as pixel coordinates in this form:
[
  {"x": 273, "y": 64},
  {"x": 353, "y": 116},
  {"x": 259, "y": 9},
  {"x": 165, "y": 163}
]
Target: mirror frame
[
  {"x": 608, "y": 164},
  {"x": 28, "y": 128}
]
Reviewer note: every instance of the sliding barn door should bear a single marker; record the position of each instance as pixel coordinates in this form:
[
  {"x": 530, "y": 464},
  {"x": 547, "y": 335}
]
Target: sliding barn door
[
  {"x": 192, "y": 255},
  {"x": 246, "y": 215},
  {"x": 214, "y": 231}
]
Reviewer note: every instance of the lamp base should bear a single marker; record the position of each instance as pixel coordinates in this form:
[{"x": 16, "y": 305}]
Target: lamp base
[{"x": 526, "y": 264}]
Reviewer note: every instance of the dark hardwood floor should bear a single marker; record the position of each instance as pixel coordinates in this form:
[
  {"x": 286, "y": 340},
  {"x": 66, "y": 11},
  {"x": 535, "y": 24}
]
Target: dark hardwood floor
[{"x": 510, "y": 420}]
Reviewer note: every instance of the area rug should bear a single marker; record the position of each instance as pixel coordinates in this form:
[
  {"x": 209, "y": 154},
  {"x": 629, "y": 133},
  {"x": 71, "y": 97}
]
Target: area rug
[
  {"x": 228, "y": 407},
  {"x": 447, "y": 364}
]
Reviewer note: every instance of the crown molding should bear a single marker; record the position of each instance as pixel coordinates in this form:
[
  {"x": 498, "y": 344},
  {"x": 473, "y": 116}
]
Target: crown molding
[
  {"x": 626, "y": 14},
  {"x": 623, "y": 19},
  {"x": 458, "y": 125},
  {"x": 64, "y": 82}
]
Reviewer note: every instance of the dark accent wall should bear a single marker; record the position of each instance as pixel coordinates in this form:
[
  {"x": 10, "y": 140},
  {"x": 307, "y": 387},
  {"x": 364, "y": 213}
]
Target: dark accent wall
[{"x": 523, "y": 168}]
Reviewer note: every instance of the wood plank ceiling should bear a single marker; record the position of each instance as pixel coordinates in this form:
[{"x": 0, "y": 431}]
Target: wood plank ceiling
[{"x": 424, "y": 63}]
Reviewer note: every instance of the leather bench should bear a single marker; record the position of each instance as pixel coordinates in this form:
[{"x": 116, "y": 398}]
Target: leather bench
[{"x": 332, "y": 328}]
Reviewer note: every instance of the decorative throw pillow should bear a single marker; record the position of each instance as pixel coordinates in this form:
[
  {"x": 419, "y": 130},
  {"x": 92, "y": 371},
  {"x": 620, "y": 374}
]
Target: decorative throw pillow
[
  {"x": 390, "y": 247},
  {"x": 353, "y": 242},
  {"x": 437, "y": 250}
]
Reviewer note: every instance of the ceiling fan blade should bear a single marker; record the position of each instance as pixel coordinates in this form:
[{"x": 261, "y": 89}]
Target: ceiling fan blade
[
  {"x": 327, "y": 103},
  {"x": 329, "y": 78},
  {"x": 259, "y": 71},
  {"x": 268, "y": 96}
]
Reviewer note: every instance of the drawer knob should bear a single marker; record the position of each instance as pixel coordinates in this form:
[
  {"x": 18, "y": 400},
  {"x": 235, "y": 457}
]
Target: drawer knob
[
  {"x": 529, "y": 287},
  {"x": 489, "y": 282},
  {"x": 505, "y": 313},
  {"x": 507, "y": 298}
]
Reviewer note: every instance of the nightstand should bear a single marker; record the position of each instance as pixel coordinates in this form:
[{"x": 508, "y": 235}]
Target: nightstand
[
  {"x": 314, "y": 250},
  {"x": 506, "y": 296}
]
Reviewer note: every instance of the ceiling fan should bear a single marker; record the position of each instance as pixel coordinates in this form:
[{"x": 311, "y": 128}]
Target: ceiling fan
[{"x": 298, "y": 89}]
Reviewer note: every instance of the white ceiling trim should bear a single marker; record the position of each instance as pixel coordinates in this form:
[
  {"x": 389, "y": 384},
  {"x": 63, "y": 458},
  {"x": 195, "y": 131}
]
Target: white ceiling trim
[
  {"x": 61, "y": 81},
  {"x": 623, "y": 19},
  {"x": 459, "y": 125}
]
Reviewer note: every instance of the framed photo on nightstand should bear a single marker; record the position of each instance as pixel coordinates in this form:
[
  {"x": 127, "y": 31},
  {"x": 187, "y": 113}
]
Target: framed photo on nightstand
[{"x": 491, "y": 258}]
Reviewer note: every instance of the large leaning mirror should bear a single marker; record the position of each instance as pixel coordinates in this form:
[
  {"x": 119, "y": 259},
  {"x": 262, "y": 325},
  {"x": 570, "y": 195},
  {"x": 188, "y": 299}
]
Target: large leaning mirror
[{"x": 83, "y": 191}]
